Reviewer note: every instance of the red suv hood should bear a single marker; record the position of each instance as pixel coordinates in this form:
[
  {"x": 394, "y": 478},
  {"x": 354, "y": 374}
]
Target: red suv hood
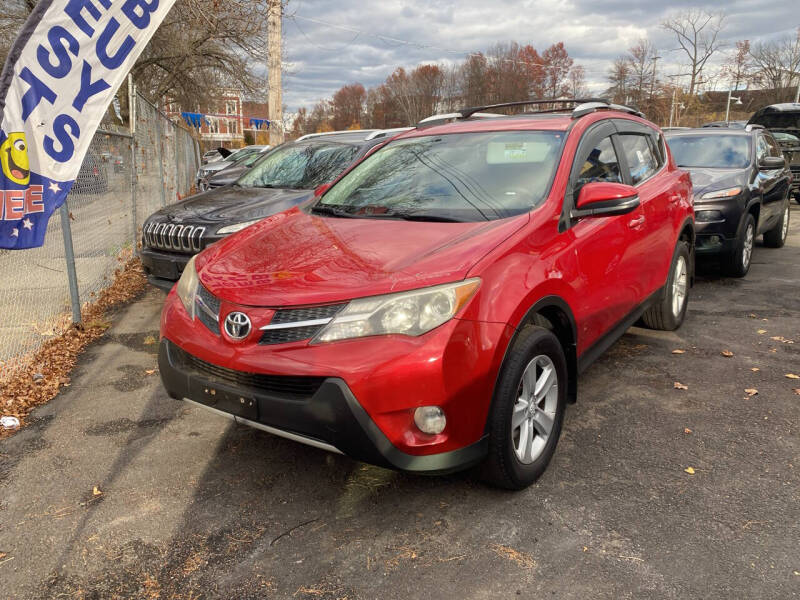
[{"x": 294, "y": 258}]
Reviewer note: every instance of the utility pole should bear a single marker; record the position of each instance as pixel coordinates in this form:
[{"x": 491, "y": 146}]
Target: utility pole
[{"x": 274, "y": 60}]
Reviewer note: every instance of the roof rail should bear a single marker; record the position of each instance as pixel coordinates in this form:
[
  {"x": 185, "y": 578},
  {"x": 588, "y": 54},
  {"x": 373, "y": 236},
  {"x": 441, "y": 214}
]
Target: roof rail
[
  {"x": 454, "y": 116},
  {"x": 584, "y": 106},
  {"x": 341, "y": 132},
  {"x": 387, "y": 132},
  {"x": 594, "y": 105},
  {"x": 468, "y": 112}
]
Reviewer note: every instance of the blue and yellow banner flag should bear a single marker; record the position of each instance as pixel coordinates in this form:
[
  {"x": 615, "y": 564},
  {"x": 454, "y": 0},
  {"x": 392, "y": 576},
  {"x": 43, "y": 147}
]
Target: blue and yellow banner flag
[{"x": 61, "y": 73}]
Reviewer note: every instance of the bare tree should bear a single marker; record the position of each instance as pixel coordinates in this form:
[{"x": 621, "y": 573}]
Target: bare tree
[
  {"x": 577, "y": 82},
  {"x": 698, "y": 35},
  {"x": 777, "y": 64},
  {"x": 200, "y": 46},
  {"x": 642, "y": 70},
  {"x": 738, "y": 68},
  {"x": 619, "y": 77}
]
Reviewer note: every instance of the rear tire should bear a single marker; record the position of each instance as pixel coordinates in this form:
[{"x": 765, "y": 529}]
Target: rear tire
[
  {"x": 737, "y": 263},
  {"x": 527, "y": 412},
  {"x": 776, "y": 238},
  {"x": 668, "y": 313}
]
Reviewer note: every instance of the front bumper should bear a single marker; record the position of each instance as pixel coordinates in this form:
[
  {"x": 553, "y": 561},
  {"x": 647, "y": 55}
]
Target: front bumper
[
  {"x": 717, "y": 225},
  {"x": 163, "y": 269},
  {"x": 319, "y": 411}
]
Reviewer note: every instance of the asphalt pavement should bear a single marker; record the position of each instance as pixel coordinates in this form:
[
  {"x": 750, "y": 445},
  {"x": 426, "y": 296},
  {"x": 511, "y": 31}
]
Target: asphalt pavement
[{"x": 115, "y": 490}]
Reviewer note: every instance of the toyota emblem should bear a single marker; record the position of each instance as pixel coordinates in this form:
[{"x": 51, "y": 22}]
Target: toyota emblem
[{"x": 237, "y": 325}]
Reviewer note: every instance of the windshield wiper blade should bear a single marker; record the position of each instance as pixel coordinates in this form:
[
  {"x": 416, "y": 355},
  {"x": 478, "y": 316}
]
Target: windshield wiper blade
[
  {"x": 429, "y": 217},
  {"x": 327, "y": 209}
]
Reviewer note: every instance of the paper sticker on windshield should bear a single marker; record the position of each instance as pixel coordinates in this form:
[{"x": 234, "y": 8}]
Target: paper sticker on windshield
[{"x": 499, "y": 153}]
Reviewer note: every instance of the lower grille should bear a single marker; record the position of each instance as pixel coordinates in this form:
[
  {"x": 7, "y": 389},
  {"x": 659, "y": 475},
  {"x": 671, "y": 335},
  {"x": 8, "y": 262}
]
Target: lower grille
[{"x": 299, "y": 387}]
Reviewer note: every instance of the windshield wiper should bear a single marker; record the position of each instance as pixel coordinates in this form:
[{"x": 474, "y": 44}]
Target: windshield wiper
[
  {"x": 327, "y": 209},
  {"x": 428, "y": 217}
]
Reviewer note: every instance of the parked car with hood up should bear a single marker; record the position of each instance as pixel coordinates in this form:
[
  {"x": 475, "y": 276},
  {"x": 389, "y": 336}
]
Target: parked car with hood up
[
  {"x": 281, "y": 179},
  {"x": 741, "y": 190},
  {"x": 783, "y": 120}
]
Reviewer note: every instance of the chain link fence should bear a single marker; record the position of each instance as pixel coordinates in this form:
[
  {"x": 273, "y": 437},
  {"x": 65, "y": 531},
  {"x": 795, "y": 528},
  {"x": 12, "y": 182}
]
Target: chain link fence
[{"x": 123, "y": 179}]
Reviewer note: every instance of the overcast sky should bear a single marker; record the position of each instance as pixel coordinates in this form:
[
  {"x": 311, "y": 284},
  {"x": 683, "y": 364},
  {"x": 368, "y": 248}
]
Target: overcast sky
[{"x": 321, "y": 57}]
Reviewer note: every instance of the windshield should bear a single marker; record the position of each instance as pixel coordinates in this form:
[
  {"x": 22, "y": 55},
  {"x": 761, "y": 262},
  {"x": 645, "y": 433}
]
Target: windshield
[
  {"x": 456, "y": 177},
  {"x": 710, "y": 151},
  {"x": 301, "y": 166}
]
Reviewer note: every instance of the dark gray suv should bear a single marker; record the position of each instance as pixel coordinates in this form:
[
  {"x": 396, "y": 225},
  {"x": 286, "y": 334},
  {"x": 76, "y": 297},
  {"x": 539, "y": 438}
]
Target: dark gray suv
[{"x": 741, "y": 190}]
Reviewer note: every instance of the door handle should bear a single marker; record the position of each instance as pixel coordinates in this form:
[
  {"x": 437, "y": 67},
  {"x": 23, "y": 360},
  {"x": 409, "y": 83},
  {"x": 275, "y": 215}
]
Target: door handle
[{"x": 637, "y": 222}]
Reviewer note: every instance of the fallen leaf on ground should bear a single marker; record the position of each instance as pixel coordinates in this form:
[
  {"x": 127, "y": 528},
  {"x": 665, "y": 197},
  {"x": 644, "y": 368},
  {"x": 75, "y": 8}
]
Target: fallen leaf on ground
[
  {"x": 689, "y": 470},
  {"x": 792, "y": 376},
  {"x": 751, "y": 391},
  {"x": 149, "y": 371},
  {"x": 797, "y": 391},
  {"x": 679, "y": 386},
  {"x": 679, "y": 351},
  {"x": 727, "y": 353},
  {"x": 584, "y": 549},
  {"x": 149, "y": 340},
  {"x": 687, "y": 430},
  {"x": 96, "y": 491},
  {"x": 752, "y": 316},
  {"x": 522, "y": 559},
  {"x": 762, "y": 331},
  {"x": 755, "y": 369},
  {"x": 780, "y": 338}
]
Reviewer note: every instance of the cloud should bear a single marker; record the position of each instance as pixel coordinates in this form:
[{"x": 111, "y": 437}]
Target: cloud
[{"x": 329, "y": 43}]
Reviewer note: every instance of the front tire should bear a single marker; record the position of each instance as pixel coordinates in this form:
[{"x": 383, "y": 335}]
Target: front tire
[
  {"x": 527, "y": 412},
  {"x": 737, "y": 263},
  {"x": 776, "y": 238},
  {"x": 668, "y": 313}
]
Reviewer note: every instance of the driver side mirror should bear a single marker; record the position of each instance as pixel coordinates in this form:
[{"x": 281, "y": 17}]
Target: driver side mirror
[
  {"x": 321, "y": 189},
  {"x": 605, "y": 199},
  {"x": 769, "y": 163}
]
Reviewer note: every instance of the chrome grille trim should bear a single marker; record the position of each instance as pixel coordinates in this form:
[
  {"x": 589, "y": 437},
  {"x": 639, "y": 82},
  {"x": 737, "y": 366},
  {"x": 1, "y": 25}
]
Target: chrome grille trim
[
  {"x": 297, "y": 324},
  {"x": 172, "y": 236}
]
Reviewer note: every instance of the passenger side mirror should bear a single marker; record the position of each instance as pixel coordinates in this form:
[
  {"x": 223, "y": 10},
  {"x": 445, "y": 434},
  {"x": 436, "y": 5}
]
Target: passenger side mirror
[
  {"x": 769, "y": 163},
  {"x": 605, "y": 199},
  {"x": 321, "y": 189}
]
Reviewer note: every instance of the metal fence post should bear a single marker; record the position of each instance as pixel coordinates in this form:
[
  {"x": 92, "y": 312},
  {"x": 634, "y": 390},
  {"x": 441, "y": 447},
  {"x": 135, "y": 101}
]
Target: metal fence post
[
  {"x": 132, "y": 126},
  {"x": 69, "y": 257},
  {"x": 160, "y": 136}
]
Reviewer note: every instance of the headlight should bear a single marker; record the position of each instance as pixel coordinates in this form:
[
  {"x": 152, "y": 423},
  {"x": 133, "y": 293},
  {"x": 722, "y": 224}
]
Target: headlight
[
  {"x": 237, "y": 227},
  {"x": 726, "y": 193},
  {"x": 187, "y": 287},
  {"x": 407, "y": 313}
]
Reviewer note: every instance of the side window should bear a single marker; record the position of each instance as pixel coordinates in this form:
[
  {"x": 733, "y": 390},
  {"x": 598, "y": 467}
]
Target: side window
[
  {"x": 641, "y": 159},
  {"x": 600, "y": 165},
  {"x": 762, "y": 150}
]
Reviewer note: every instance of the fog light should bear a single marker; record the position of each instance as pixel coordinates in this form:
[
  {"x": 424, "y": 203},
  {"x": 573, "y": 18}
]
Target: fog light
[
  {"x": 709, "y": 215},
  {"x": 430, "y": 419}
]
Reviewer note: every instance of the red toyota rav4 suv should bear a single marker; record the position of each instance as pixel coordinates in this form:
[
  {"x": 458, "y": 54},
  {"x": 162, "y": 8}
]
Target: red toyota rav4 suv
[{"x": 432, "y": 309}]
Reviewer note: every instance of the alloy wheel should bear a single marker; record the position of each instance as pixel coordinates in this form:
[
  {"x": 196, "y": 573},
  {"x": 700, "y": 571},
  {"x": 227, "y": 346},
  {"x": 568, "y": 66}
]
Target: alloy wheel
[
  {"x": 785, "y": 226},
  {"x": 680, "y": 283},
  {"x": 534, "y": 411},
  {"x": 747, "y": 248}
]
